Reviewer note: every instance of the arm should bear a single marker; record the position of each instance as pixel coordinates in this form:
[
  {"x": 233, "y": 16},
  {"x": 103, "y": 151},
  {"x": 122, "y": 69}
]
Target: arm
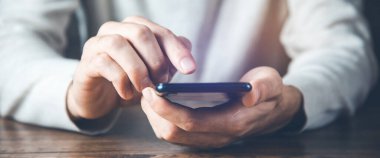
[
  {"x": 332, "y": 61},
  {"x": 117, "y": 63},
  {"x": 34, "y": 75},
  {"x": 331, "y": 73}
]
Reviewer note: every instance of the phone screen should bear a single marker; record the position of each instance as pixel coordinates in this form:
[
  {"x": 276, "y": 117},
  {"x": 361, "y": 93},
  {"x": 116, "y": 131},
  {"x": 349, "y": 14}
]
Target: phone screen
[
  {"x": 196, "y": 95},
  {"x": 197, "y": 100}
]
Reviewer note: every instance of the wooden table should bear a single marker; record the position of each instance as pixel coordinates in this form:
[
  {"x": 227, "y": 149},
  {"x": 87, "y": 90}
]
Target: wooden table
[{"x": 133, "y": 137}]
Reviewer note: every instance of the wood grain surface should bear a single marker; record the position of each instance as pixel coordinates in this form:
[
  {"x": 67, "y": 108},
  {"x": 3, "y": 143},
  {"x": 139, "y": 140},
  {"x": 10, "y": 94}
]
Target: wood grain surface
[{"x": 358, "y": 136}]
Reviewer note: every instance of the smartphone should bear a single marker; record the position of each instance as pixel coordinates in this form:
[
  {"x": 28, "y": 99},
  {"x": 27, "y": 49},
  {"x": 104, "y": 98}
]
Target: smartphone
[{"x": 197, "y": 95}]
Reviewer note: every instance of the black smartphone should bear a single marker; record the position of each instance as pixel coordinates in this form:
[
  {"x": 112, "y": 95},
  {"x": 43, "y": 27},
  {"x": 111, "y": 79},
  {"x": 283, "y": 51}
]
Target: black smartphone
[{"x": 196, "y": 95}]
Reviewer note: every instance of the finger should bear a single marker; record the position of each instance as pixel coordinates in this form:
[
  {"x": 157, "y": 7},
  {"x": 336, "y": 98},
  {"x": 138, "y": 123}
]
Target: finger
[
  {"x": 157, "y": 123},
  {"x": 266, "y": 84},
  {"x": 102, "y": 65},
  {"x": 171, "y": 133},
  {"x": 177, "y": 52},
  {"x": 191, "y": 120},
  {"x": 177, "y": 115},
  {"x": 145, "y": 43},
  {"x": 185, "y": 42},
  {"x": 123, "y": 53},
  {"x": 133, "y": 101}
]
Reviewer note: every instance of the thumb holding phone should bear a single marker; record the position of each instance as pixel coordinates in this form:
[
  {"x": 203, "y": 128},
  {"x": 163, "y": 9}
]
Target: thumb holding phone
[
  {"x": 269, "y": 106},
  {"x": 274, "y": 103}
]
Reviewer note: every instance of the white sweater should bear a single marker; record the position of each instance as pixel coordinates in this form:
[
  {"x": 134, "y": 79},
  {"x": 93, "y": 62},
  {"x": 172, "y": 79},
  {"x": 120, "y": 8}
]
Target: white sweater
[{"x": 322, "y": 47}]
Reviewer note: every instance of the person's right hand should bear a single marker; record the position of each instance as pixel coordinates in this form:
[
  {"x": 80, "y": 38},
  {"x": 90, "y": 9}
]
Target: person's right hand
[{"x": 123, "y": 59}]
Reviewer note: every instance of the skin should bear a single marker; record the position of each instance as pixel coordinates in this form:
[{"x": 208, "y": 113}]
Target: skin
[
  {"x": 124, "y": 60},
  {"x": 269, "y": 106},
  {"x": 120, "y": 61}
]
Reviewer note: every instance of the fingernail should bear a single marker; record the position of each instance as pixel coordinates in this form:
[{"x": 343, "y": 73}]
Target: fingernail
[
  {"x": 187, "y": 65},
  {"x": 147, "y": 94},
  {"x": 129, "y": 94}
]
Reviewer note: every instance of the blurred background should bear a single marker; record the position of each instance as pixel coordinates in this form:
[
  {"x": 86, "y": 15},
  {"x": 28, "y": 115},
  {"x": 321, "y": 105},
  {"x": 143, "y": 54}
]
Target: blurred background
[{"x": 372, "y": 13}]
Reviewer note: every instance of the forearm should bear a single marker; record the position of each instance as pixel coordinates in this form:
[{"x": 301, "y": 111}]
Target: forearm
[
  {"x": 333, "y": 66},
  {"x": 34, "y": 81},
  {"x": 35, "y": 76}
]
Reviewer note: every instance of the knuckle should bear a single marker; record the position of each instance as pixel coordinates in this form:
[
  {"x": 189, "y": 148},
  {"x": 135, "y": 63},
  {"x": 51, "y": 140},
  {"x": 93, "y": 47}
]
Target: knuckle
[
  {"x": 116, "y": 41},
  {"x": 189, "y": 125},
  {"x": 142, "y": 33},
  {"x": 138, "y": 71},
  {"x": 89, "y": 43},
  {"x": 166, "y": 32},
  {"x": 120, "y": 78},
  {"x": 139, "y": 75},
  {"x": 190, "y": 122},
  {"x": 171, "y": 134},
  {"x": 159, "y": 67},
  {"x": 101, "y": 60},
  {"x": 105, "y": 26},
  {"x": 158, "y": 64}
]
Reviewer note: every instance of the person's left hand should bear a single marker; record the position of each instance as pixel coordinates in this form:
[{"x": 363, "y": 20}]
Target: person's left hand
[{"x": 269, "y": 106}]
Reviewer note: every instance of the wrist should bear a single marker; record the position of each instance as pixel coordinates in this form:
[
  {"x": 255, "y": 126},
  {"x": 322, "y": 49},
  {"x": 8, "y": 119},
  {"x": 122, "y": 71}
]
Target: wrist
[
  {"x": 293, "y": 100},
  {"x": 83, "y": 123},
  {"x": 70, "y": 105}
]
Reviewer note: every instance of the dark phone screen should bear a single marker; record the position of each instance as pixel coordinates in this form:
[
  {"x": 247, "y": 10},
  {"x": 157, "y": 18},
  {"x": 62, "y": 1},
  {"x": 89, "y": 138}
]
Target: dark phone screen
[{"x": 196, "y": 95}]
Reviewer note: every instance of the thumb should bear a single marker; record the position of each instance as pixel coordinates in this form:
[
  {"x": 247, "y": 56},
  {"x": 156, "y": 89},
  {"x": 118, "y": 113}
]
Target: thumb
[{"x": 266, "y": 84}]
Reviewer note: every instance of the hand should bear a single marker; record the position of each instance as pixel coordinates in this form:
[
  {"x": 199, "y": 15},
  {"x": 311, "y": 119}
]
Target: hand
[
  {"x": 269, "y": 106},
  {"x": 123, "y": 59}
]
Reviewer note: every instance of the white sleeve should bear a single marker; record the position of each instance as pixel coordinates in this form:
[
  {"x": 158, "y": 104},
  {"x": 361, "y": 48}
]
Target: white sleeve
[
  {"x": 34, "y": 76},
  {"x": 333, "y": 64}
]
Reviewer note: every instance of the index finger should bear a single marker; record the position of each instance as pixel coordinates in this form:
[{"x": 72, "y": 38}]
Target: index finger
[{"x": 176, "y": 50}]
